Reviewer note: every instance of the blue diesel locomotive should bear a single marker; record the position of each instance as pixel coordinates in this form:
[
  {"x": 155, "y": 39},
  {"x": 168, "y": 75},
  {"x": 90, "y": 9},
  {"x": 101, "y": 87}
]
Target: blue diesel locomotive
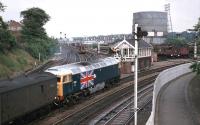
[{"x": 82, "y": 78}]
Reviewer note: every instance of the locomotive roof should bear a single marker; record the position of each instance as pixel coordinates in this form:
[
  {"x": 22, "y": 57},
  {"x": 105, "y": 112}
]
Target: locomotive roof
[
  {"x": 79, "y": 67},
  {"x": 23, "y": 81}
]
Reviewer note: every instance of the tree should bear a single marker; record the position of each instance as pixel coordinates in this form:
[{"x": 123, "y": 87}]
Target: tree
[
  {"x": 34, "y": 19},
  {"x": 34, "y": 35},
  {"x": 197, "y": 29},
  {"x": 195, "y": 67},
  {"x": 7, "y": 41},
  {"x": 2, "y": 7},
  {"x": 178, "y": 42},
  {"x": 197, "y": 26}
]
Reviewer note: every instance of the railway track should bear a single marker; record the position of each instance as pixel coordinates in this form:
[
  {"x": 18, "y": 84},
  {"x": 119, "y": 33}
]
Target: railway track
[
  {"x": 83, "y": 111},
  {"x": 82, "y": 115},
  {"x": 123, "y": 111},
  {"x": 41, "y": 68},
  {"x": 71, "y": 56}
]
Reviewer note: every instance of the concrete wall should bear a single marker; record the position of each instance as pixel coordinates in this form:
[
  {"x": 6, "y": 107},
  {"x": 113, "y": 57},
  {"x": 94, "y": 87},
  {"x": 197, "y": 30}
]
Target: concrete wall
[{"x": 163, "y": 78}]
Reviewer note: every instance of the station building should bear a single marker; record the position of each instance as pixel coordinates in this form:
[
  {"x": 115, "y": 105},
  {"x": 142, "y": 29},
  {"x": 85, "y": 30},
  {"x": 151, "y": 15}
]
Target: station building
[{"x": 124, "y": 51}]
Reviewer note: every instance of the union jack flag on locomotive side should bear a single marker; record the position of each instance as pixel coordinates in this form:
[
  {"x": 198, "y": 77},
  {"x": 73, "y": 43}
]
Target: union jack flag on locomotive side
[{"x": 87, "y": 79}]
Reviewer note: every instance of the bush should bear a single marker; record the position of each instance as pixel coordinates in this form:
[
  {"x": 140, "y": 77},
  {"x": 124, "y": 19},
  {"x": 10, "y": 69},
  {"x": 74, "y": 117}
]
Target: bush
[
  {"x": 6, "y": 61},
  {"x": 7, "y": 41},
  {"x": 46, "y": 47}
]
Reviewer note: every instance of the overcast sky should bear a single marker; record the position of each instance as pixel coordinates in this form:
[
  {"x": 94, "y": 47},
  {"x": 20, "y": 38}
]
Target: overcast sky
[{"x": 101, "y": 17}]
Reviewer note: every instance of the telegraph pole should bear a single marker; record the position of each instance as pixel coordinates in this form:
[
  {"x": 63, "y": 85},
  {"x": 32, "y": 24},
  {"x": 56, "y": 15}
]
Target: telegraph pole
[{"x": 136, "y": 74}]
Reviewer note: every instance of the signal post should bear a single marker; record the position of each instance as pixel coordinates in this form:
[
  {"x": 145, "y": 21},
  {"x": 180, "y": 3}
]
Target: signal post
[{"x": 138, "y": 34}]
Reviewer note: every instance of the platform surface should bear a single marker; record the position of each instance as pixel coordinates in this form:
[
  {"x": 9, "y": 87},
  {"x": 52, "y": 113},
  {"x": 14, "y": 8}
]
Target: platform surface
[{"x": 173, "y": 106}]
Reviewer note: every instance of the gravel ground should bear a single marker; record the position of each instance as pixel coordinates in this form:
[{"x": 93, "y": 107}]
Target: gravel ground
[{"x": 144, "y": 114}]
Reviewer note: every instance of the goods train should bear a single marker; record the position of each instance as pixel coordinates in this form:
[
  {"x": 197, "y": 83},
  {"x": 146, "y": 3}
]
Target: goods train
[
  {"x": 172, "y": 51},
  {"x": 25, "y": 95}
]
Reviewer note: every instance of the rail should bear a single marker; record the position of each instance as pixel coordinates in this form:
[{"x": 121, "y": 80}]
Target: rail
[
  {"x": 116, "y": 93},
  {"x": 124, "y": 107}
]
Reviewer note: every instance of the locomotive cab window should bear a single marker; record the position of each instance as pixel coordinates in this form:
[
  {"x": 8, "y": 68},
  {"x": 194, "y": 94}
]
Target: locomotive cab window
[
  {"x": 58, "y": 79},
  {"x": 67, "y": 78}
]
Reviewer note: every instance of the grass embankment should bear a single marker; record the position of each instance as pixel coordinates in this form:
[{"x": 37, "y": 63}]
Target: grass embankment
[{"x": 15, "y": 62}]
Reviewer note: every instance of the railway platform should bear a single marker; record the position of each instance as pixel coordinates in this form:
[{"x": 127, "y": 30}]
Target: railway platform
[{"x": 175, "y": 105}]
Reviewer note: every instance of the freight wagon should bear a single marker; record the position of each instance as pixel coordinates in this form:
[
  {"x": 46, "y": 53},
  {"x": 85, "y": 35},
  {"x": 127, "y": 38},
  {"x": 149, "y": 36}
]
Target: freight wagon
[
  {"x": 173, "y": 51},
  {"x": 24, "y": 95}
]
